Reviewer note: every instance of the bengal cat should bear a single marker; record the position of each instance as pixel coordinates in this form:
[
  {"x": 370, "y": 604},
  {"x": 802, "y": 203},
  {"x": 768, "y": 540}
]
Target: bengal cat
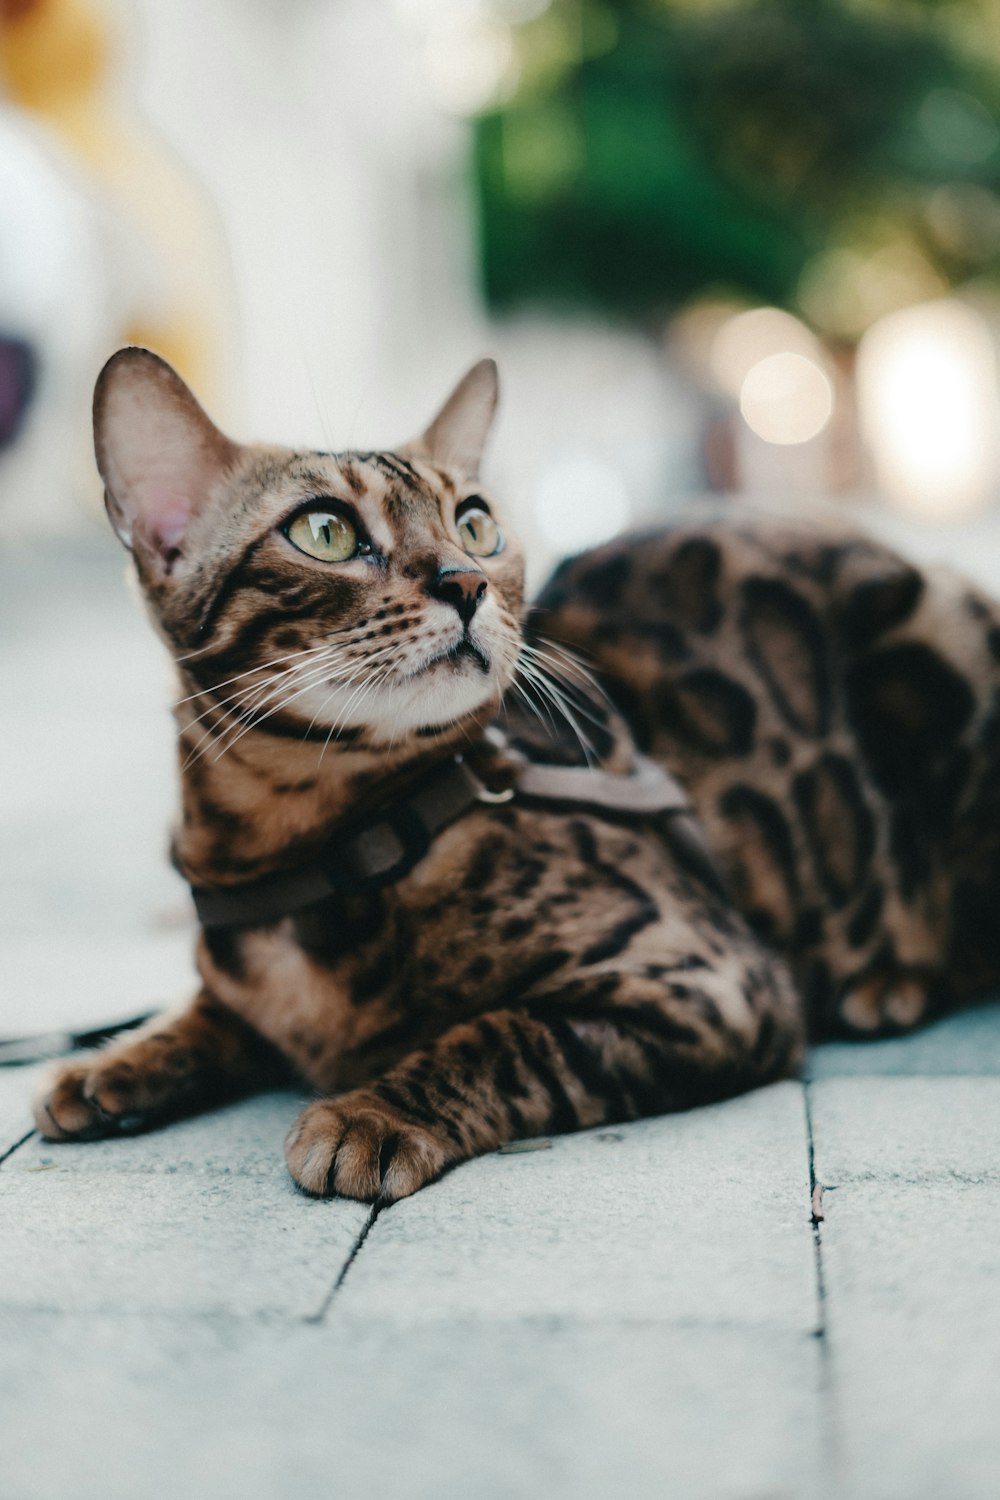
[{"x": 343, "y": 622}]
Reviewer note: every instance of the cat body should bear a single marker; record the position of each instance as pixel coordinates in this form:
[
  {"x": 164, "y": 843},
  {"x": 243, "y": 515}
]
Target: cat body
[
  {"x": 345, "y": 624},
  {"x": 834, "y": 713}
]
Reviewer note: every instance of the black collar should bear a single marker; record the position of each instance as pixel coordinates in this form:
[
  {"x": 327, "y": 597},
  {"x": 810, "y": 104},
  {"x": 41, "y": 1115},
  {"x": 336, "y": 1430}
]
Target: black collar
[{"x": 379, "y": 850}]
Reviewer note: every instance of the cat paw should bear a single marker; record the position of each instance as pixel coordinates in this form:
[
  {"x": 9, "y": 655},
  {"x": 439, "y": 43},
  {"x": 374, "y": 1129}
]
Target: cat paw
[
  {"x": 885, "y": 1004},
  {"x": 358, "y": 1147},
  {"x": 89, "y": 1099}
]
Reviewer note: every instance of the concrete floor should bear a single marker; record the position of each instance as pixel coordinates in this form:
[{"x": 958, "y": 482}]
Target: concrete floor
[{"x": 644, "y": 1311}]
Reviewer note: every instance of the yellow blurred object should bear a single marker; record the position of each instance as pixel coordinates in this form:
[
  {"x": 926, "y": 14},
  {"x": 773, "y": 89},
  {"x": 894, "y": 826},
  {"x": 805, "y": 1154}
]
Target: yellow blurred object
[
  {"x": 58, "y": 62},
  {"x": 54, "y": 55}
]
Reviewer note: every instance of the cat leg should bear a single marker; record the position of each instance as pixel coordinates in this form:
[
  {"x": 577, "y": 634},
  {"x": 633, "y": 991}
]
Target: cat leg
[
  {"x": 171, "y": 1065},
  {"x": 609, "y": 1048}
]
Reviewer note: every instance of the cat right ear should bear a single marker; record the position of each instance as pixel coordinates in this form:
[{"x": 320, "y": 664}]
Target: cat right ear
[
  {"x": 158, "y": 453},
  {"x": 458, "y": 433}
]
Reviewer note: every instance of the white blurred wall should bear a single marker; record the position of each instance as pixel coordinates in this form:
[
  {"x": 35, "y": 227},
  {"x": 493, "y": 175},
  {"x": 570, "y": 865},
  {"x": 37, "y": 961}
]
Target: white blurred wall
[{"x": 342, "y": 193}]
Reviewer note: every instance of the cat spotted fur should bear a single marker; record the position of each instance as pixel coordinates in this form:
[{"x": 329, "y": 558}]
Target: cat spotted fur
[{"x": 832, "y": 711}]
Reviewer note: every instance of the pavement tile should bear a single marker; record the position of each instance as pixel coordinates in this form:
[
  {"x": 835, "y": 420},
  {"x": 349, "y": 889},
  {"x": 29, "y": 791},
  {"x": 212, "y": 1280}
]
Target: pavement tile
[
  {"x": 179, "y": 1242},
  {"x": 701, "y": 1216},
  {"x": 138, "y": 1409},
  {"x": 911, "y": 1262},
  {"x": 967, "y": 1043},
  {"x": 244, "y": 1137},
  {"x": 199, "y": 1217},
  {"x": 17, "y": 1085},
  {"x": 912, "y": 1129}
]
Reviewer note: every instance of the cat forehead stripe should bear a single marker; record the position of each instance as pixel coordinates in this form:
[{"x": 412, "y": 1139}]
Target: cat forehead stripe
[{"x": 393, "y": 467}]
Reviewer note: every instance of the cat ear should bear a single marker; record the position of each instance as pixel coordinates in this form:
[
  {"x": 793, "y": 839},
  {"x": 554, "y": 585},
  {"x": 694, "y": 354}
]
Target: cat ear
[
  {"x": 158, "y": 453},
  {"x": 458, "y": 433}
]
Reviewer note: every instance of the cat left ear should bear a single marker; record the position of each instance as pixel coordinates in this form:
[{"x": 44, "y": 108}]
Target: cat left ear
[
  {"x": 458, "y": 433},
  {"x": 159, "y": 455}
]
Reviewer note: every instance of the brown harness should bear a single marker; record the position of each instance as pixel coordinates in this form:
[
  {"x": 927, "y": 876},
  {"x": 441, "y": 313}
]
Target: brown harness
[
  {"x": 382, "y": 849},
  {"x": 367, "y": 855}
]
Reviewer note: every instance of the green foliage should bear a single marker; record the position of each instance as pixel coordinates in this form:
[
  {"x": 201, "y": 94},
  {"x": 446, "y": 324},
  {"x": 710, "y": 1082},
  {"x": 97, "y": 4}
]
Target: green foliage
[{"x": 654, "y": 148}]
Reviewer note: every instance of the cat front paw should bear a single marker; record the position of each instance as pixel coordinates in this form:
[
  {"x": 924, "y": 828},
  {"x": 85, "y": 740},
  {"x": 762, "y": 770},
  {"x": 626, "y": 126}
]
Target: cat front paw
[
  {"x": 95, "y": 1097},
  {"x": 357, "y": 1147}
]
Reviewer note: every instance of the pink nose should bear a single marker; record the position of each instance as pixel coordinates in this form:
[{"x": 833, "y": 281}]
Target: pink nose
[{"x": 462, "y": 588}]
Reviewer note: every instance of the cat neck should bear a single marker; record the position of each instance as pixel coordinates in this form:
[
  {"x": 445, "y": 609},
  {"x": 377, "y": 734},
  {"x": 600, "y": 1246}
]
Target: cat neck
[{"x": 268, "y": 801}]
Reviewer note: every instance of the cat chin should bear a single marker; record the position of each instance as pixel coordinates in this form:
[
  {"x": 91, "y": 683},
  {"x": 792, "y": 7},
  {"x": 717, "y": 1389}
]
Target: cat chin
[
  {"x": 446, "y": 690},
  {"x": 442, "y": 694}
]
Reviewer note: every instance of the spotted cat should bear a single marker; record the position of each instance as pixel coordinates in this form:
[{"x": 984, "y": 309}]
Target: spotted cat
[
  {"x": 835, "y": 715},
  {"x": 349, "y": 627}
]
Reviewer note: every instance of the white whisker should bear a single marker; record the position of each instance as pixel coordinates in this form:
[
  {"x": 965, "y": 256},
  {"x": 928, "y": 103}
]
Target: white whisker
[
  {"x": 542, "y": 683},
  {"x": 316, "y": 677}
]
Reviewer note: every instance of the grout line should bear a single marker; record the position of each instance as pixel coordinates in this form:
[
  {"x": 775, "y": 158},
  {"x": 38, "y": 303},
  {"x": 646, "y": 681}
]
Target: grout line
[
  {"x": 827, "y": 1391},
  {"x": 6, "y": 1155},
  {"x": 319, "y": 1315},
  {"x": 822, "y": 1327}
]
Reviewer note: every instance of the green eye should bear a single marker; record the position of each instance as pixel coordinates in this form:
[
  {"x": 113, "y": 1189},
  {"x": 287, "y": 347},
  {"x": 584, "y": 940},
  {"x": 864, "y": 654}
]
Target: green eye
[
  {"x": 479, "y": 532},
  {"x": 324, "y": 535}
]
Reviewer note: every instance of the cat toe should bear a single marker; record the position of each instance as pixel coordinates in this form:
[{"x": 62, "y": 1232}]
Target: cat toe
[
  {"x": 362, "y": 1151},
  {"x": 83, "y": 1102},
  {"x": 885, "y": 1004},
  {"x": 62, "y": 1109}
]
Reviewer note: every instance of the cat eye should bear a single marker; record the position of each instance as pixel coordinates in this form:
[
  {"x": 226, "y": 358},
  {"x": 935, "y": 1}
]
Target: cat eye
[
  {"x": 480, "y": 534},
  {"x": 324, "y": 535}
]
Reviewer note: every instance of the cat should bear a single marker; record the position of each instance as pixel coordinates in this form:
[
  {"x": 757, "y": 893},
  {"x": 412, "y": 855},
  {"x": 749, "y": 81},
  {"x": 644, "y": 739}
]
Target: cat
[{"x": 350, "y": 637}]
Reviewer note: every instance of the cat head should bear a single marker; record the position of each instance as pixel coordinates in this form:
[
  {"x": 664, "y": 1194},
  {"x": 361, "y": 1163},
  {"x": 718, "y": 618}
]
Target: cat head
[{"x": 375, "y": 592}]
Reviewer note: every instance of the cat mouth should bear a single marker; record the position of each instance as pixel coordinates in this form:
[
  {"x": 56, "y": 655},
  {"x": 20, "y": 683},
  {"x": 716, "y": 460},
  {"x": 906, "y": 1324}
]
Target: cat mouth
[{"x": 466, "y": 650}]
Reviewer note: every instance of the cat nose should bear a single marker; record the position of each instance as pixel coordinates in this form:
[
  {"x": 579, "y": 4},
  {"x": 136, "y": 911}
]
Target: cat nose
[{"x": 462, "y": 588}]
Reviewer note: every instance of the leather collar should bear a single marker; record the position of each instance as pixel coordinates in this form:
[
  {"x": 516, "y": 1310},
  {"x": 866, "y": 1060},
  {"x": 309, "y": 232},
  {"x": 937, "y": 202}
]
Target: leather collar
[{"x": 366, "y": 855}]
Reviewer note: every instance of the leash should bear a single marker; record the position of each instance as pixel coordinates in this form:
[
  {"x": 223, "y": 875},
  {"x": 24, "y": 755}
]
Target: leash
[{"x": 18, "y": 1051}]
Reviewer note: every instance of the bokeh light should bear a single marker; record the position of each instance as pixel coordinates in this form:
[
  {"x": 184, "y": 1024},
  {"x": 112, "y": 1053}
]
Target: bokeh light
[
  {"x": 786, "y": 398},
  {"x": 927, "y": 391},
  {"x": 749, "y": 337}
]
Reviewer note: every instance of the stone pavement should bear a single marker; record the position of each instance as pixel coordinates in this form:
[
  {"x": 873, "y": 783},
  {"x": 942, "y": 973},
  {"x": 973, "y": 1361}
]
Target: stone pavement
[{"x": 647, "y": 1311}]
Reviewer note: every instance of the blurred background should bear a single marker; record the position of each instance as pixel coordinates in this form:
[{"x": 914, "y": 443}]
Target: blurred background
[{"x": 748, "y": 247}]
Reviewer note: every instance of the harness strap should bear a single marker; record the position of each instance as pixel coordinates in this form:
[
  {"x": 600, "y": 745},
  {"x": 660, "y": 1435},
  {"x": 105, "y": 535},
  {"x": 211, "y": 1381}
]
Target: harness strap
[
  {"x": 377, "y": 853},
  {"x": 648, "y": 790},
  {"x": 371, "y": 855}
]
